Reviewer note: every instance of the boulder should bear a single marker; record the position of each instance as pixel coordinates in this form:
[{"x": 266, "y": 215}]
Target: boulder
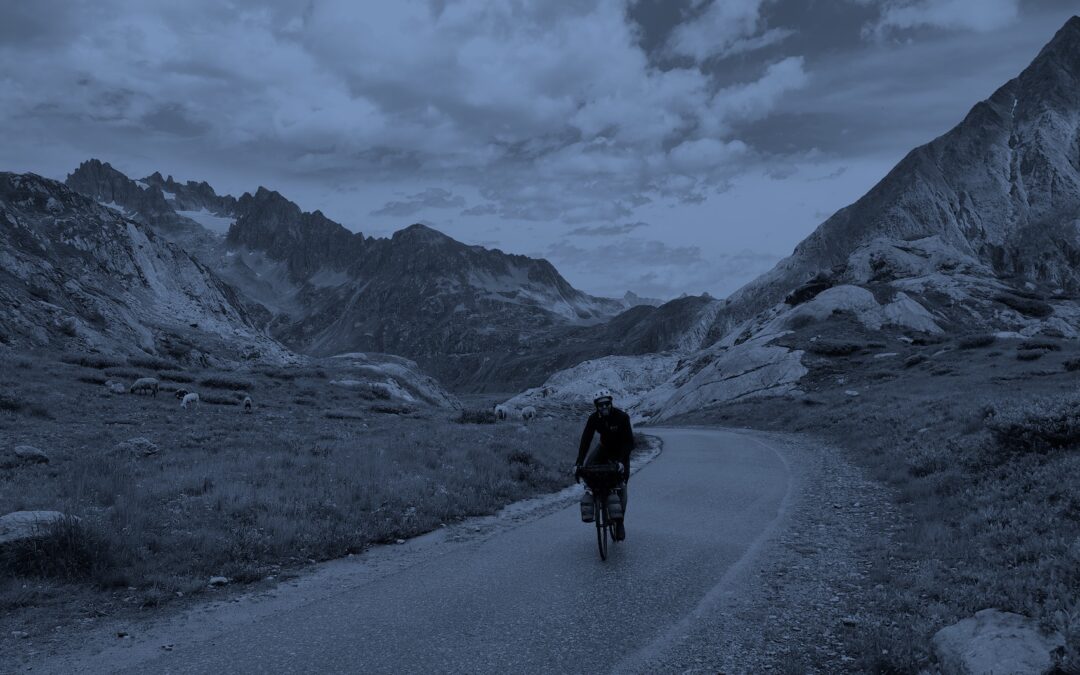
[
  {"x": 753, "y": 368},
  {"x": 23, "y": 525},
  {"x": 140, "y": 446},
  {"x": 995, "y": 642},
  {"x": 23, "y": 454}
]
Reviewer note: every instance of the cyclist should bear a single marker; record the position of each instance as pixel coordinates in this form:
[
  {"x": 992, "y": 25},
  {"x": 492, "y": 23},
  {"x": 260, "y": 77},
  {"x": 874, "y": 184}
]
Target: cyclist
[{"x": 616, "y": 443}]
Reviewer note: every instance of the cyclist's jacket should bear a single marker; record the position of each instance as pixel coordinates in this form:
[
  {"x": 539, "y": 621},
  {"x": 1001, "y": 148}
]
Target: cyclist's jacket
[{"x": 616, "y": 436}]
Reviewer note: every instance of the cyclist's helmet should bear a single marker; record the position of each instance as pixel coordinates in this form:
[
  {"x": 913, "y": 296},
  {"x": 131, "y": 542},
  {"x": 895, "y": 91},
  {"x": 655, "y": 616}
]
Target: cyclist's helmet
[{"x": 602, "y": 396}]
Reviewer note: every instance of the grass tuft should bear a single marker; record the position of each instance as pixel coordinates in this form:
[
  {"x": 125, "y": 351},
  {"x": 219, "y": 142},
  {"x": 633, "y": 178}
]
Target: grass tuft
[{"x": 225, "y": 382}]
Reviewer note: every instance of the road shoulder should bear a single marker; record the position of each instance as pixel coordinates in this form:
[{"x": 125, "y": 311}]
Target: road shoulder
[{"x": 800, "y": 603}]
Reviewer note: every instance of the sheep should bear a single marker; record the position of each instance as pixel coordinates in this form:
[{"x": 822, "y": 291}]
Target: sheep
[
  {"x": 181, "y": 393},
  {"x": 501, "y": 412},
  {"x": 247, "y": 404},
  {"x": 527, "y": 413},
  {"x": 190, "y": 398},
  {"x": 144, "y": 384}
]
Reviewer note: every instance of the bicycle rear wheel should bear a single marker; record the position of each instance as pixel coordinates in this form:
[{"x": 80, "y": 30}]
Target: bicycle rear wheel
[{"x": 600, "y": 508}]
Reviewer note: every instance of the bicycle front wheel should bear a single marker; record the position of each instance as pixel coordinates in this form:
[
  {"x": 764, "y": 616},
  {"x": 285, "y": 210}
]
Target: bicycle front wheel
[{"x": 601, "y": 527}]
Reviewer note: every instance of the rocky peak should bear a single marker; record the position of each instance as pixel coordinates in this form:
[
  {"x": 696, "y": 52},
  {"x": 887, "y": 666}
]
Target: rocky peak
[
  {"x": 306, "y": 242},
  {"x": 1002, "y": 186}
]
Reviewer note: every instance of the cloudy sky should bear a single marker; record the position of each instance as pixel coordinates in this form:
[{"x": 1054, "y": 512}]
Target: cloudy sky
[{"x": 658, "y": 146}]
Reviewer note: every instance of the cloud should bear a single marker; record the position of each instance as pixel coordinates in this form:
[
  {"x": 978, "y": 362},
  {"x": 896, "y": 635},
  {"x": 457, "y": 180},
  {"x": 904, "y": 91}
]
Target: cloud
[
  {"x": 971, "y": 15},
  {"x": 657, "y": 269},
  {"x": 552, "y": 111},
  {"x": 606, "y": 230},
  {"x": 431, "y": 198},
  {"x": 724, "y": 28}
]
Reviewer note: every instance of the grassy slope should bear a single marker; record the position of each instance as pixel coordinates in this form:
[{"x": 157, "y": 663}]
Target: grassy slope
[
  {"x": 314, "y": 473},
  {"x": 993, "y": 519}
]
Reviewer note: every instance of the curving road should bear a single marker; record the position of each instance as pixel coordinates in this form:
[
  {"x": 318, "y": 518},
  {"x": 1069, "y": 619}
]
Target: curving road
[{"x": 534, "y": 598}]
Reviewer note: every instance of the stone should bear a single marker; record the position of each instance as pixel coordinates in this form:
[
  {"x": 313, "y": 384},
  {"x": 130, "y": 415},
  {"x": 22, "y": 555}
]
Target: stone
[
  {"x": 219, "y": 581},
  {"x": 143, "y": 447},
  {"x": 23, "y": 525},
  {"x": 23, "y": 454},
  {"x": 996, "y": 642}
]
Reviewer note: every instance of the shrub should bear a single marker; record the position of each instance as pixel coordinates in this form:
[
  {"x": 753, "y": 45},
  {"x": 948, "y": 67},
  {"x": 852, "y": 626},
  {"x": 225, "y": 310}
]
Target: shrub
[
  {"x": 1038, "y": 424},
  {"x": 97, "y": 361},
  {"x": 976, "y": 341},
  {"x": 10, "y": 403},
  {"x": 342, "y": 415},
  {"x": 828, "y": 347},
  {"x": 92, "y": 378},
  {"x": 1026, "y": 306},
  {"x": 390, "y": 410},
  {"x": 482, "y": 416},
  {"x": 914, "y": 360},
  {"x": 70, "y": 550},
  {"x": 1029, "y": 354},
  {"x": 224, "y": 382},
  {"x": 176, "y": 376},
  {"x": 1039, "y": 344},
  {"x": 374, "y": 392},
  {"x": 286, "y": 374},
  {"x": 1072, "y": 364},
  {"x": 130, "y": 373},
  {"x": 925, "y": 461},
  {"x": 231, "y": 398},
  {"x": 153, "y": 363}
]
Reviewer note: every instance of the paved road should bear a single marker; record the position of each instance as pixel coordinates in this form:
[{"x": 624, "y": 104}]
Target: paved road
[{"x": 536, "y": 598}]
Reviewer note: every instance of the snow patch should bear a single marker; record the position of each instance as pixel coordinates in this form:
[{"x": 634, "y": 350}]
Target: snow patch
[{"x": 211, "y": 221}]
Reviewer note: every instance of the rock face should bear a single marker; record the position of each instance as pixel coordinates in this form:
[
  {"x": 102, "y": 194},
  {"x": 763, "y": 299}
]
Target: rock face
[
  {"x": 323, "y": 290},
  {"x": 77, "y": 274},
  {"x": 1000, "y": 192},
  {"x": 23, "y": 525},
  {"x": 996, "y": 643}
]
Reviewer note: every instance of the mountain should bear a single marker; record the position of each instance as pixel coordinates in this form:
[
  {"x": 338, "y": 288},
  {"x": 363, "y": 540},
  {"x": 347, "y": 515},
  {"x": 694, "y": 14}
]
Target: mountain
[
  {"x": 976, "y": 231},
  {"x": 1002, "y": 189},
  {"x": 452, "y": 307},
  {"x": 80, "y": 275}
]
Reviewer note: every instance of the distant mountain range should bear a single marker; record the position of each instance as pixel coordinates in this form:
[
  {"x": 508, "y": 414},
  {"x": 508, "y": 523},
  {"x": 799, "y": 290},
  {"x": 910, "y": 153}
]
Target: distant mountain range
[
  {"x": 977, "y": 230},
  {"x": 476, "y": 317}
]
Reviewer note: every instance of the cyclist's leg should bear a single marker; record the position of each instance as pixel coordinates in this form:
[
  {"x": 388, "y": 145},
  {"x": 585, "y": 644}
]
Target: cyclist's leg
[{"x": 622, "y": 496}]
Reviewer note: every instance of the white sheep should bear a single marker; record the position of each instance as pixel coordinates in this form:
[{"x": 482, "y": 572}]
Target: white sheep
[
  {"x": 501, "y": 412},
  {"x": 247, "y": 404},
  {"x": 190, "y": 398},
  {"x": 144, "y": 384},
  {"x": 527, "y": 413}
]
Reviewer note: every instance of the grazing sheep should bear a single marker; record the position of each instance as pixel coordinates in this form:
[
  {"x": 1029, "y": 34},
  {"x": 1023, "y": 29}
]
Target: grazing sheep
[
  {"x": 247, "y": 404},
  {"x": 144, "y": 384},
  {"x": 501, "y": 412},
  {"x": 181, "y": 393},
  {"x": 190, "y": 398},
  {"x": 528, "y": 412}
]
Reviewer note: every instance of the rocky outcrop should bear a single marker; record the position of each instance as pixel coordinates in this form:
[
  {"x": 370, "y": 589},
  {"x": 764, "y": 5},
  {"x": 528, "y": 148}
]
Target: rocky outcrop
[
  {"x": 752, "y": 368},
  {"x": 992, "y": 642},
  {"x": 79, "y": 275}
]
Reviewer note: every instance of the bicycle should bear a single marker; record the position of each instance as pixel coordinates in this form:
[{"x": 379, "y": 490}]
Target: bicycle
[{"x": 601, "y": 480}]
